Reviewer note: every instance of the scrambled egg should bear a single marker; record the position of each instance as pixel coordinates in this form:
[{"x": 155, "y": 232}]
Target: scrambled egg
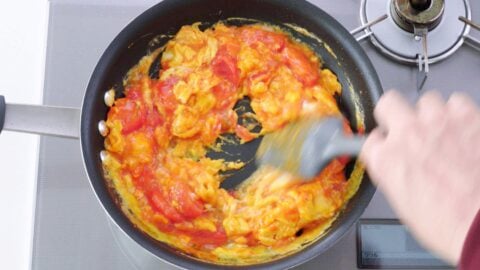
[{"x": 160, "y": 132}]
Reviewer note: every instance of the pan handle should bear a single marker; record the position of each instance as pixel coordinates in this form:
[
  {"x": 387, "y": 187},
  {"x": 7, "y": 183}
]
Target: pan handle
[{"x": 42, "y": 120}]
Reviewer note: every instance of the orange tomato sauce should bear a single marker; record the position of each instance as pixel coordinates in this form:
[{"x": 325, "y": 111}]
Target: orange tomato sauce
[{"x": 160, "y": 132}]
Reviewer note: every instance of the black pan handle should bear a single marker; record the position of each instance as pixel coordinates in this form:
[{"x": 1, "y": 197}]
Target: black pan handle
[
  {"x": 42, "y": 120},
  {"x": 3, "y": 109}
]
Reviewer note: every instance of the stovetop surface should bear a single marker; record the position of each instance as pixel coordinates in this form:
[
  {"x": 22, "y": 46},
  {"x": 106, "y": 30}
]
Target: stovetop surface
[{"x": 71, "y": 229}]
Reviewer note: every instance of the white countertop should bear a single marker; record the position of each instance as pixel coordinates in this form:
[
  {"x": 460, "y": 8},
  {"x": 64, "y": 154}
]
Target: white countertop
[{"x": 23, "y": 35}]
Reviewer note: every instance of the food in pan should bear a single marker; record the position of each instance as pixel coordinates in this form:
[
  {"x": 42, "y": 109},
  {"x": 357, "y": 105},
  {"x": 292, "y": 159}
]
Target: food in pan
[{"x": 161, "y": 131}]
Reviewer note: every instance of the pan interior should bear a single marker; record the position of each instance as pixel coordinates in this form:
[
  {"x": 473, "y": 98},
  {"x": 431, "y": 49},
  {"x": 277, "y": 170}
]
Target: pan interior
[{"x": 232, "y": 150}]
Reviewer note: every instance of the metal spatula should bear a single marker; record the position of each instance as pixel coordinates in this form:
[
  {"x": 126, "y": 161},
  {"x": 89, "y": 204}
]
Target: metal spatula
[{"x": 305, "y": 147}]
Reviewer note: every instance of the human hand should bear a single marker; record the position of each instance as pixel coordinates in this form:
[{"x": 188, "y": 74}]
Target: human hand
[{"x": 426, "y": 160}]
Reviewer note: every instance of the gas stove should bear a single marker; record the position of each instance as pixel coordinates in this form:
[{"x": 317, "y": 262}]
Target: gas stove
[
  {"x": 419, "y": 32},
  {"x": 415, "y": 46}
]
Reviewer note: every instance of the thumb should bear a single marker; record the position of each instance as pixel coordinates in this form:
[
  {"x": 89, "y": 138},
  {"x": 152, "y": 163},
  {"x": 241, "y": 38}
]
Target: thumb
[{"x": 370, "y": 153}]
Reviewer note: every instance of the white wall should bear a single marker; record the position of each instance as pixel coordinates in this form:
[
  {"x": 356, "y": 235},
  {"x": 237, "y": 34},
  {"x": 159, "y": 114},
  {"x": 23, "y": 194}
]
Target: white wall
[{"x": 23, "y": 29}]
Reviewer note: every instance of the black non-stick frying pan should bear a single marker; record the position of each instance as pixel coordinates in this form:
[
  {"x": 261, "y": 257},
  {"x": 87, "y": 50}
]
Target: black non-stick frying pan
[{"x": 338, "y": 50}]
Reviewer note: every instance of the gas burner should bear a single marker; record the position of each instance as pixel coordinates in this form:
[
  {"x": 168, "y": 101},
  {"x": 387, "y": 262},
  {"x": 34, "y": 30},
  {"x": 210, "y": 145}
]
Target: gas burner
[
  {"x": 411, "y": 14},
  {"x": 396, "y": 36},
  {"x": 403, "y": 36}
]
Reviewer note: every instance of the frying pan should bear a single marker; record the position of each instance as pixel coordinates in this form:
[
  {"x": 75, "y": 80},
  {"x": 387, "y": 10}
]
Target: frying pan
[{"x": 336, "y": 47}]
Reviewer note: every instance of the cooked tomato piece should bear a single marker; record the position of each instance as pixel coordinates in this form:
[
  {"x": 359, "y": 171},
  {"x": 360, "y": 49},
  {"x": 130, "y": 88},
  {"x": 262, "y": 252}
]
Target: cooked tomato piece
[
  {"x": 275, "y": 41},
  {"x": 226, "y": 95},
  {"x": 333, "y": 167},
  {"x": 346, "y": 127},
  {"x": 304, "y": 70},
  {"x": 179, "y": 205},
  {"x": 251, "y": 240},
  {"x": 211, "y": 131},
  {"x": 225, "y": 65},
  {"x": 142, "y": 177},
  {"x": 361, "y": 130},
  {"x": 344, "y": 159},
  {"x": 188, "y": 205},
  {"x": 130, "y": 113},
  {"x": 160, "y": 204},
  {"x": 165, "y": 93},
  {"x": 227, "y": 120},
  {"x": 260, "y": 76},
  {"x": 133, "y": 92},
  {"x": 203, "y": 237},
  {"x": 154, "y": 118},
  {"x": 231, "y": 47},
  {"x": 244, "y": 133}
]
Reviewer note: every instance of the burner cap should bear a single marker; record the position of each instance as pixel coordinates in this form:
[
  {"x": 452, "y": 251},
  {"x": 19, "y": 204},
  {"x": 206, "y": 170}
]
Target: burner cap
[{"x": 417, "y": 13}]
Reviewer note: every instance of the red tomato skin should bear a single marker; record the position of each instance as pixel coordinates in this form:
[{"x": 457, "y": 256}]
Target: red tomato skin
[
  {"x": 130, "y": 113},
  {"x": 154, "y": 118},
  {"x": 225, "y": 66},
  {"x": 188, "y": 205},
  {"x": 165, "y": 94},
  {"x": 225, "y": 94},
  {"x": 133, "y": 93},
  {"x": 244, "y": 133},
  {"x": 202, "y": 237},
  {"x": 156, "y": 196},
  {"x": 160, "y": 204},
  {"x": 301, "y": 67},
  {"x": 251, "y": 36}
]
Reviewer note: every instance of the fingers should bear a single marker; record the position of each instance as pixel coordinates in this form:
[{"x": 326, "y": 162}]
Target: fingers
[
  {"x": 371, "y": 152},
  {"x": 393, "y": 111},
  {"x": 430, "y": 107},
  {"x": 461, "y": 106},
  {"x": 463, "y": 118}
]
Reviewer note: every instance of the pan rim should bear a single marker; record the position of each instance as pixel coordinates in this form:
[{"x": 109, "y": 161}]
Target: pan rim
[{"x": 122, "y": 222}]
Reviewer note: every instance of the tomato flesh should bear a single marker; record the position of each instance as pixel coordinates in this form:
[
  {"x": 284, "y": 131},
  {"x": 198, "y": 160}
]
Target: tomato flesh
[
  {"x": 243, "y": 133},
  {"x": 130, "y": 113},
  {"x": 183, "y": 196},
  {"x": 159, "y": 203},
  {"x": 203, "y": 237},
  {"x": 153, "y": 118},
  {"x": 165, "y": 94},
  {"x": 225, "y": 65},
  {"x": 276, "y": 42},
  {"x": 134, "y": 93},
  {"x": 301, "y": 67},
  {"x": 225, "y": 94}
]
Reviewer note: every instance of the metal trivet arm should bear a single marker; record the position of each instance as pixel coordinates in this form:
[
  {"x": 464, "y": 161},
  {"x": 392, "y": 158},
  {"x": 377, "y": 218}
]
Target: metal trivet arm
[
  {"x": 365, "y": 27},
  {"x": 420, "y": 33},
  {"x": 469, "y": 40}
]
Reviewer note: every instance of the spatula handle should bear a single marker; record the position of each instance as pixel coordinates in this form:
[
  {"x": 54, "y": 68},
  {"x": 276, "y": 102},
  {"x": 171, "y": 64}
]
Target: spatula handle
[
  {"x": 350, "y": 146},
  {"x": 337, "y": 147}
]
